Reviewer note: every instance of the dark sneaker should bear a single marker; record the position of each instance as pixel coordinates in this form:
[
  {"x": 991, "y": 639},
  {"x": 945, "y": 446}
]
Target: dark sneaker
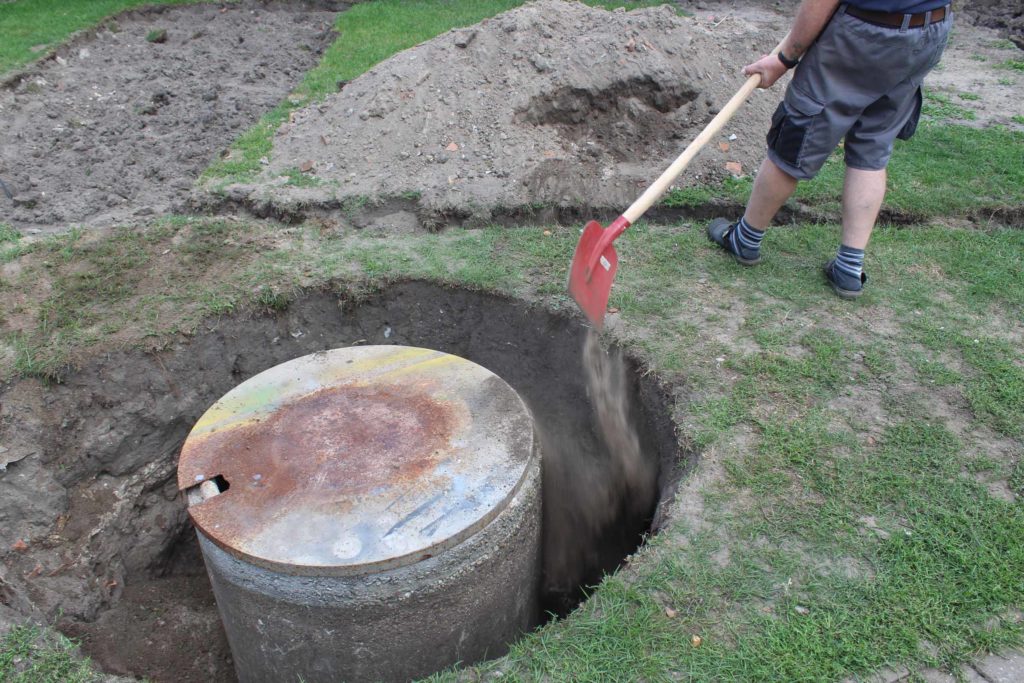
[
  {"x": 845, "y": 286},
  {"x": 720, "y": 232}
]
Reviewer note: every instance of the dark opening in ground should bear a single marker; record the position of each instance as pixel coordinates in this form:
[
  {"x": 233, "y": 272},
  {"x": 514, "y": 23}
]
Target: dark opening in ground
[{"x": 124, "y": 567}]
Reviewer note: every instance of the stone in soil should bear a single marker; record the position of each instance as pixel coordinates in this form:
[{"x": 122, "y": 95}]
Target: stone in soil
[{"x": 552, "y": 103}]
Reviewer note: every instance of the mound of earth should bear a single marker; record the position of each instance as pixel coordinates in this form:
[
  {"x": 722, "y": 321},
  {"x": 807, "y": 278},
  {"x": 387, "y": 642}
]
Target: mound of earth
[
  {"x": 1001, "y": 14},
  {"x": 551, "y": 104},
  {"x": 120, "y": 121}
]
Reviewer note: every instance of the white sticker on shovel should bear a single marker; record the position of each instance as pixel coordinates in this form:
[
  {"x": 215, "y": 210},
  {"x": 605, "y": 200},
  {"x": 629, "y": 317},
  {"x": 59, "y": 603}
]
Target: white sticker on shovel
[{"x": 605, "y": 263}]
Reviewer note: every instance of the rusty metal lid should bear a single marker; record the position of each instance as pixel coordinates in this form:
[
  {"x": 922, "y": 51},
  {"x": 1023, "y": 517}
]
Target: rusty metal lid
[{"x": 357, "y": 460}]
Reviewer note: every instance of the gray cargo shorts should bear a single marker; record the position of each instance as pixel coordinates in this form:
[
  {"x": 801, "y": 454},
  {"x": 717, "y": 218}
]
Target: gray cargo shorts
[{"x": 860, "y": 81}]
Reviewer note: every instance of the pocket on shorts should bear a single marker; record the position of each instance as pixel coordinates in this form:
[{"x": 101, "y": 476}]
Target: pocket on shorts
[
  {"x": 792, "y": 123},
  {"x": 910, "y": 127}
]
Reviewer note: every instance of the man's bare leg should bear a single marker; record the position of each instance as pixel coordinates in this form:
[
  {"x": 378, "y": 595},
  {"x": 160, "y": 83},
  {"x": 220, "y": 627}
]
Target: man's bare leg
[
  {"x": 772, "y": 187},
  {"x": 863, "y": 192}
]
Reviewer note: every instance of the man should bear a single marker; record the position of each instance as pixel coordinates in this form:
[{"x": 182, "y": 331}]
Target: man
[{"x": 859, "y": 67}]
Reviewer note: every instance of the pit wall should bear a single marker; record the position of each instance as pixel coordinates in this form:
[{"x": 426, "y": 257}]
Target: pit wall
[{"x": 88, "y": 498}]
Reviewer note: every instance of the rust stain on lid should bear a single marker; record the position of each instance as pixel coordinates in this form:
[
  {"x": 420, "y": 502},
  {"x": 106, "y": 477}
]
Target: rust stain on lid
[{"x": 358, "y": 459}]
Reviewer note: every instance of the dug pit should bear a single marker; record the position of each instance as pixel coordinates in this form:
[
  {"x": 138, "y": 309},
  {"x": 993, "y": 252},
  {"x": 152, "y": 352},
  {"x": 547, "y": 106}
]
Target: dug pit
[{"x": 96, "y": 534}]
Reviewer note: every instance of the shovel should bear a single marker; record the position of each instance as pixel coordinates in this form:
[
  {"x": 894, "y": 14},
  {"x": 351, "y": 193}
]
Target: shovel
[{"x": 595, "y": 262}]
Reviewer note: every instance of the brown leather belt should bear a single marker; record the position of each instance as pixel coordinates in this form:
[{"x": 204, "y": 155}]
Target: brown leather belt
[{"x": 895, "y": 19}]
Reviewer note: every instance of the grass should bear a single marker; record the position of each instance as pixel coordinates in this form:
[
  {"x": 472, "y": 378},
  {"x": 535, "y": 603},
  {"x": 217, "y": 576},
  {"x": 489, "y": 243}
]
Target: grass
[
  {"x": 296, "y": 178},
  {"x": 31, "y": 27},
  {"x": 1012, "y": 64},
  {"x": 943, "y": 171},
  {"x": 938, "y": 107},
  {"x": 8, "y": 234},
  {"x": 844, "y": 519},
  {"x": 30, "y": 655},
  {"x": 837, "y": 402}
]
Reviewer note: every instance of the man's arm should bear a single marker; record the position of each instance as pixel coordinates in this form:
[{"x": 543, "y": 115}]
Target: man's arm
[{"x": 810, "y": 21}]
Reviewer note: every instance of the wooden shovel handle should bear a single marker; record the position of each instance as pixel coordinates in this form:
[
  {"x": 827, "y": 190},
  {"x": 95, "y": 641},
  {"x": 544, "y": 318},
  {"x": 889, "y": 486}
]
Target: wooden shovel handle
[{"x": 640, "y": 206}]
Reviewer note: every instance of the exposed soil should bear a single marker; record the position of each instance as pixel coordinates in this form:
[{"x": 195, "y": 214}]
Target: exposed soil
[
  {"x": 972, "y": 76},
  {"x": 1007, "y": 15},
  {"x": 551, "y": 110},
  {"x": 115, "y": 125},
  {"x": 553, "y": 103},
  {"x": 92, "y": 527},
  {"x": 162, "y": 628}
]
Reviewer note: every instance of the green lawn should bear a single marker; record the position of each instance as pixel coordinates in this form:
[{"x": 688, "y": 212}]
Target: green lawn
[
  {"x": 944, "y": 171},
  {"x": 30, "y": 655}
]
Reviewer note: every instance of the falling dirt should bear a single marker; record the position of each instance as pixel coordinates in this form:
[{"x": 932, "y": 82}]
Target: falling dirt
[
  {"x": 117, "y": 125},
  {"x": 596, "y": 491},
  {"x": 553, "y": 103}
]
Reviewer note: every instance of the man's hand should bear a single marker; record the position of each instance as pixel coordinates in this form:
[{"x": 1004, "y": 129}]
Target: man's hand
[{"x": 770, "y": 68}]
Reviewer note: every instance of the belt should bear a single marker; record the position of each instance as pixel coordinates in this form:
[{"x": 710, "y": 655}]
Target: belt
[{"x": 896, "y": 19}]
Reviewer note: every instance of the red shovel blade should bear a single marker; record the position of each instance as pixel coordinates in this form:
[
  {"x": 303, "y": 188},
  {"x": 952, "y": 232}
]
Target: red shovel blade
[{"x": 590, "y": 285}]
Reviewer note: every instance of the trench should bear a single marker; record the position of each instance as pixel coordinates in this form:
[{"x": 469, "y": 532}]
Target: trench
[{"x": 123, "y": 566}]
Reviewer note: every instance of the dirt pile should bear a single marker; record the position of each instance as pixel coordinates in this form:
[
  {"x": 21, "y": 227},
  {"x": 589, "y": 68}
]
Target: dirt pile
[
  {"x": 1000, "y": 14},
  {"x": 120, "y": 121},
  {"x": 552, "y": 103}
]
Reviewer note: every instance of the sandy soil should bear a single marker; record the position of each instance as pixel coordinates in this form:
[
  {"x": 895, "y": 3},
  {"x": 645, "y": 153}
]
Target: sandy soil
[
  {"x": 557, "y": 104},
  {"x": 554, "y": 106},
  {"x": 972, "y": 75},
  {"x": 554, "y": 103}
]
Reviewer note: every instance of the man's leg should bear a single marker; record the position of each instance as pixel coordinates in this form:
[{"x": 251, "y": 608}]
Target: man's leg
[
  {"x": 863, "y": 192},
  {"x": 772, "y": 187}
]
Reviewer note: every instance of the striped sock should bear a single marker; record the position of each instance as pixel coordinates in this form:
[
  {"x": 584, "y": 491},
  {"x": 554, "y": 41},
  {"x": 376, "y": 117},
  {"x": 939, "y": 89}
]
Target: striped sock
[
  {"x": 850, "y": 261},
  {"x": 746, "y": 240}
]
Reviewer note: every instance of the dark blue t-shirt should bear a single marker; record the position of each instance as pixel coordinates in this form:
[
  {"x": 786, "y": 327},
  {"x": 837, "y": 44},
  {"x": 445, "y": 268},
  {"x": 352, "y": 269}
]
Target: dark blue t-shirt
[{"x": 901, "y": 6}]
